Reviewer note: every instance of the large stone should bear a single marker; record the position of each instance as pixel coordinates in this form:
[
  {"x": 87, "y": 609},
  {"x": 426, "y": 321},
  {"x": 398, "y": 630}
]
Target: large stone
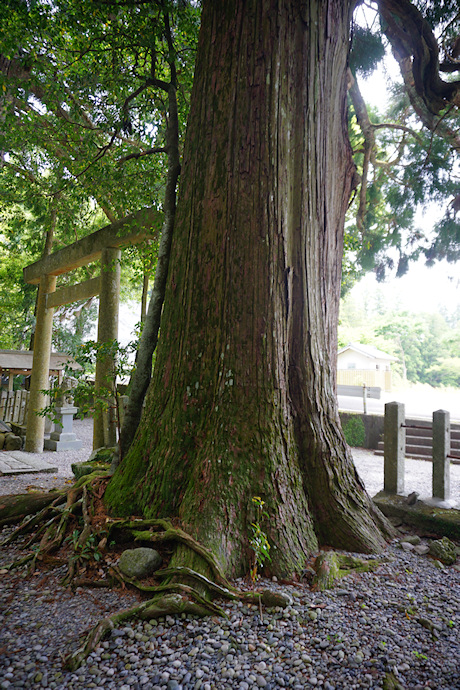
[
  {"x": 428, "y": 518},
  {"x": 271, "y": 599},
  {"x": 139, "y": 563},
  {"x": 99, "y": 459},
  {"x": 444, "y": 550},
  {"x": 12, "y": 442},
  {"x": 413, "y": 539},
  {"x": 80, "y": 469},
  {"x": 102, "y": 455},
  {"x": 2, "y": 440}
]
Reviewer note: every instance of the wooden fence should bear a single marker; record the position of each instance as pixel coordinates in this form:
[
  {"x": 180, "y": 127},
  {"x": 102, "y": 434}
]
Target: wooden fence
[
  {"x": 370, "y": 377},
  {"x": 13, "y": 406}
]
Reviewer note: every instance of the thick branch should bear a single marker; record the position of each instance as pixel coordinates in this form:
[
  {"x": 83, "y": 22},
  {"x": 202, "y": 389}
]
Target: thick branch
[
  {"x": 369, "y": 145},
  {"x": 401, "y": 128},
  {"x": 412, "y": 38},
  {"x": 449, "y": 66},
  {"x": 141, "y": 154},
  {"x": 429, "y": 120}
]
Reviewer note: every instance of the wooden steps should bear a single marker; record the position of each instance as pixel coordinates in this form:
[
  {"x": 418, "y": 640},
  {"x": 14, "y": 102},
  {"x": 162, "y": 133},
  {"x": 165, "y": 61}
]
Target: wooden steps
[{"x": 419, "y": 443}]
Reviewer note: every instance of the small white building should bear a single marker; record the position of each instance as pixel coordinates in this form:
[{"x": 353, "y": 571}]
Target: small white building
[{"x": 359, "y": 364}]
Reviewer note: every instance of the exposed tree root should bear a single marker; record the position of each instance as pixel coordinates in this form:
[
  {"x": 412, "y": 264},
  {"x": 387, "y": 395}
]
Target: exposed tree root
[
  {"x": 72, "y": 528},
  {"x": 34, "y": 519},
  {"x": 330, "y": 566},
  {"x": 227, "y": 591},
  {"x": 73, "y": 661},
  {"x": 15, "y": 508},
  {"x": 169, "y": 604},
  {"x": 142, "y": 531}
]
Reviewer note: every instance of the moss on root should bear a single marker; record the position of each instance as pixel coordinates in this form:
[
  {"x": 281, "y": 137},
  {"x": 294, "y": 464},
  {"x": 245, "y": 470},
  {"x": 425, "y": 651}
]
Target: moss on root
[
  {"x": 72, "y": 529},
  {"x": 331, "y": 566}
]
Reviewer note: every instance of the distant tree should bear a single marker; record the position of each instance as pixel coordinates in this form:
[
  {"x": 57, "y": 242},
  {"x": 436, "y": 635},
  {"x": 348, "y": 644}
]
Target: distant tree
[{"x": 445, "y": 372}]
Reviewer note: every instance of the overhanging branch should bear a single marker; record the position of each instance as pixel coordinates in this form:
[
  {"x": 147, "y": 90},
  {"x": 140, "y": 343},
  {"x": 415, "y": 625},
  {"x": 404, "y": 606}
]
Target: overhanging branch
[
  {"x": 141, "y": 154},
  {"x": 412, "y": 38}
]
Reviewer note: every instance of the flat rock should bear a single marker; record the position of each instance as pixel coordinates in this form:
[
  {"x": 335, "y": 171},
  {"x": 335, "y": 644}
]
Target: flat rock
[
  {"x": 407, "y": 546},
  {"x": 413, "y": 539},
  {"x": 18, "y": 462},
  {"x": 281, "y": 599}
]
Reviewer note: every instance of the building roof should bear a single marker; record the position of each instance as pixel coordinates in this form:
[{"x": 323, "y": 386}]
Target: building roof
[
  {"x": 20, "y": 361},
  {"x": 368, "y": 351}
]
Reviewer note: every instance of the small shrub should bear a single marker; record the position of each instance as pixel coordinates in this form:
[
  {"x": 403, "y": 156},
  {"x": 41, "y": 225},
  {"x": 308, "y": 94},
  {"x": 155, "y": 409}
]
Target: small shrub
[
  {"x": 355, "y": 433},
  {"x": 258, "y": 539}
]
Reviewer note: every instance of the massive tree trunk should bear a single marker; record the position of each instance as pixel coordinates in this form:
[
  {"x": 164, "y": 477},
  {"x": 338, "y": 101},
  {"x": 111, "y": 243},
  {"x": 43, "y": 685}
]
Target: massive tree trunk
[{"x": 243, "y": 401}]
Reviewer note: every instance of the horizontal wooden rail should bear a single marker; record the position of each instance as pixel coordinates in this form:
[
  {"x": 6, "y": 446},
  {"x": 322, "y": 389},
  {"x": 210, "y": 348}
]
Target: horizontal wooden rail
[{"x": 415, "y": 426}]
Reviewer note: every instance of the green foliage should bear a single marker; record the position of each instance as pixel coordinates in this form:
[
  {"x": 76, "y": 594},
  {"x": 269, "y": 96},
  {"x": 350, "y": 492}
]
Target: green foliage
[
  {"x": 86, "y": 398},
  {"x": 446, "y": 244},
  {"x": 445, "y": 372},
  {"x": 83, "y": 107},
  {"x": 17, "y": 300},
  {"x": 72, "y": 326},
  {"x": 86, "y": 550},
  {"x": 95, "y": 69},
  {"x": 419, "y": 655},
  {"x": 413, "y": 159},
  {"x": 258, "y": 539},
  {"x": 355, "y": 432},
  {"x": 367, "y": 50}
]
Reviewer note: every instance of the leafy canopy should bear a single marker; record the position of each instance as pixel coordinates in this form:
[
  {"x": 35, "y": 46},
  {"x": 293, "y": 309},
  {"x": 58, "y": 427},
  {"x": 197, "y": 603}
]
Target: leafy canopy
[{"x": 83, "y": 114}]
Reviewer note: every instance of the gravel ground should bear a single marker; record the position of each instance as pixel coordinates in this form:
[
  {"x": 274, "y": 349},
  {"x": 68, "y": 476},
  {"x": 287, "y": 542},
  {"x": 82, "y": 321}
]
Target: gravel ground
[
  {"x": 404, "y": 618},
  {"x": 16, "y": 484}
]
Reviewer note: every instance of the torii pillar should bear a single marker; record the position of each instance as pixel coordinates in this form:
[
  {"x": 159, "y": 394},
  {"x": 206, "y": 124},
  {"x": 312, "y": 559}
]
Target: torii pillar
[
  {"x": 105, "y": 430},
  {"x": 35, "y": 429}
]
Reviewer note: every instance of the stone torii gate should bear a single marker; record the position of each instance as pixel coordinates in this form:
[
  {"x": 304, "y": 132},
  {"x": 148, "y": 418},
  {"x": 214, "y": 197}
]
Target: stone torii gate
[{"x": 104, "y": 245}]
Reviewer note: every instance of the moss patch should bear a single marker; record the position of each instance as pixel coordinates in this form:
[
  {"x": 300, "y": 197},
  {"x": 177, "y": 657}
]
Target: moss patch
[
  {"x": 438, "y": 521},
  {"x": 330, "y": 566}
]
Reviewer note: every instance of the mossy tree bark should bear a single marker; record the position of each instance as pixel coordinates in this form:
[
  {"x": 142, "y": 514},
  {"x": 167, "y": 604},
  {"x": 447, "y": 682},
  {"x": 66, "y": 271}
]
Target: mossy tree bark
[{"x": 243, "y": 401}]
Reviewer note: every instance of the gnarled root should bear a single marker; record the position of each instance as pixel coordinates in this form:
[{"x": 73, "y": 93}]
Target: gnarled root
[
  {"x": 330, "y": 566},
  {"x": 189, "y": 585},
  {"x": 147, "y": 531},
  {"x": 14, "y": 509}
]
